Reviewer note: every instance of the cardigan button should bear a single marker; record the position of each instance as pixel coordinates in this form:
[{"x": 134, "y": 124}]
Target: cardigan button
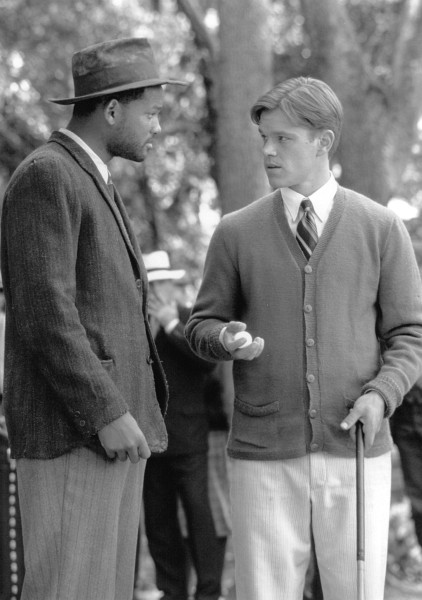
[
  {"x": 138, "y": 283},
  {"x": 308, "y": 308},
  {"x": 308, "y": 269},
  {"x": 82, "y": 423},
  {"x": 310, "y": 342},
  {"x": 310, "y": 378},
  {"x": 313, "y": 413},
  {"x": 314, "y": 447},
  {"x": 150, "y": 360}
]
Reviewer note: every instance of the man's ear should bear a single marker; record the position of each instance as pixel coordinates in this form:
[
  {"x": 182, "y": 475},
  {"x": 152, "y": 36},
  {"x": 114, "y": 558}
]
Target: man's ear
[
  {"x": 326, "y": 141},
  {"x": 112, "y": 111}
]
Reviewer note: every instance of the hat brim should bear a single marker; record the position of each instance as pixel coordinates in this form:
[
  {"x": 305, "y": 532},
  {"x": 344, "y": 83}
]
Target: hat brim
[
  {"x": 163, "y": 274},
  {"x": 121, "y": 88}
]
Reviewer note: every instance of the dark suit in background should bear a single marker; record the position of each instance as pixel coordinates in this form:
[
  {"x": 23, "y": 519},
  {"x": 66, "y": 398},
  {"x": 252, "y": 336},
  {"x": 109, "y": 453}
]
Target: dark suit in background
[{"x": 182, "y": 472}]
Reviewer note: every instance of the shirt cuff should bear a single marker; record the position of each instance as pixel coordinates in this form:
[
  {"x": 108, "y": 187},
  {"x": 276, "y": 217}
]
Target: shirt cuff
[{"x": 172, "y": 325}]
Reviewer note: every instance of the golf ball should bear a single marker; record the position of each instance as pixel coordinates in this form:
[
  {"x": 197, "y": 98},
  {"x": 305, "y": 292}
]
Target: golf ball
[{"x": 243, "y": 335}]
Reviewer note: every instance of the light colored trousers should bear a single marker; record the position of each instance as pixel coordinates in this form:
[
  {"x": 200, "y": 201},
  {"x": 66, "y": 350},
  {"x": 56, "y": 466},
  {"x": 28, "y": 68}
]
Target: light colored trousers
[
  {"x": 80, "y": 521},
  {"x": 277, "y": 506}
]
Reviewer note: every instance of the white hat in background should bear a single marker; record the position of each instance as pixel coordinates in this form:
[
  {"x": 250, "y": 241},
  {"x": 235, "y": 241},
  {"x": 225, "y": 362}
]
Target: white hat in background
[{"x": 158, "y": 266}]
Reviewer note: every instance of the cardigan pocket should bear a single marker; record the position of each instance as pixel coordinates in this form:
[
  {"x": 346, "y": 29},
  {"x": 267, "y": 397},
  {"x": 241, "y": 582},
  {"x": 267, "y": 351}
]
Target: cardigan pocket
[
  {"x": 256, "y": 411},
  {"x": 255, "y": 425}
]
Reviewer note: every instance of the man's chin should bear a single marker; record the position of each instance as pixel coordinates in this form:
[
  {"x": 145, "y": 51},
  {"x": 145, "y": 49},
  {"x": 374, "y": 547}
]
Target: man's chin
[{"x": 275, "y": 182}]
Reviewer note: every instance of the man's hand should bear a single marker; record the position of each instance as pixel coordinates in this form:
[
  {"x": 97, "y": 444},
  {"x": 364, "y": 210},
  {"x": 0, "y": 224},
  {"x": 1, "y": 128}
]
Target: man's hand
[
  {"x": 369, "y": 409},
  {"x": 123, "y": 438},
  {"x": 233, "y": 346}
]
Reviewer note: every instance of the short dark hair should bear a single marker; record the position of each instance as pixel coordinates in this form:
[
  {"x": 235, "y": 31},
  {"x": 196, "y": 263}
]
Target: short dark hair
[
  {"x": 307, "y": 102},
  {"x": 84, "y": 108}
]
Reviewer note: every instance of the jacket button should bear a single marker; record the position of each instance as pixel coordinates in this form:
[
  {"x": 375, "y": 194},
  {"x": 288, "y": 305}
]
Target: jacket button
[
  {"x": 308, "y": 308},
  {"x": 310, "y": 378},
  {"x": 138, "y": 283},
  {"x": 82, "y": 423},
  {"x": 77, "y": 413},
  {"x": 310, "y": 342},
  {"x": 313, "y": 413},
  {"x": 314, "y": 447},
  {"x": 150, "y": 360}
]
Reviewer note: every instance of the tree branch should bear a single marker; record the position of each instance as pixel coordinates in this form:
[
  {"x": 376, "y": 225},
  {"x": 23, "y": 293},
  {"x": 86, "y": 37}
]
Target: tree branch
[{"x": 203, "y": 38}]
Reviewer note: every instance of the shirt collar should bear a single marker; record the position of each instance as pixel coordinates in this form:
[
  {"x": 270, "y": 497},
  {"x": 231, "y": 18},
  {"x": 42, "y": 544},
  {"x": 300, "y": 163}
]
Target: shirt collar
[
  {"x": 322, "y": 200},
  {"x": 100, "y": 164}
]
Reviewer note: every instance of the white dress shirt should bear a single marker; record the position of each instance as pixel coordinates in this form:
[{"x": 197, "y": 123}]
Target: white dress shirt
[
  {"x": 322, "y": 201},
  {"x": 100, "y": 164}
]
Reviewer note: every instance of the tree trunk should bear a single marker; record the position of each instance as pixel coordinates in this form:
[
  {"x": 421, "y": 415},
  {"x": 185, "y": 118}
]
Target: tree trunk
[
  {"x": 380, "y": 121},
  {"x": 337, "y": 59},
  {"x": 244, "y": 73}
]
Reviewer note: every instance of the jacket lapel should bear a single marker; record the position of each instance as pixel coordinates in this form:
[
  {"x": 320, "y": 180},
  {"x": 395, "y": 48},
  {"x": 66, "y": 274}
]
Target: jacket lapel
[{"x": 116, "y": 204}]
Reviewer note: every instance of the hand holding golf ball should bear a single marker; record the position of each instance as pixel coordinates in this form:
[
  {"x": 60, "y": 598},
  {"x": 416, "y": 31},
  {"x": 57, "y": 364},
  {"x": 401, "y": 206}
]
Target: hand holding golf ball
[
  {"x": 235, "y": 333},
  {"x": 245, "y": 336}
]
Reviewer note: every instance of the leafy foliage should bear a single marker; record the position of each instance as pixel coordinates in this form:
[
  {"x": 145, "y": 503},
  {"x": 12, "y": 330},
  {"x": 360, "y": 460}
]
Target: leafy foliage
[
  {"x": 170, "y": 195},
  {"x": 172, "y": 198}
]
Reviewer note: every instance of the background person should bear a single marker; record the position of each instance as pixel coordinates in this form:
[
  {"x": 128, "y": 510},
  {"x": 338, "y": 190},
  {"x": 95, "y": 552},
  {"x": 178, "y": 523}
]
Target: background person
[
  {"x": 84, "y": 389},
  {"x": 181, "y": 471},
  {"x": 406, "y": 428},
  {"x": 322, "y": 274}
]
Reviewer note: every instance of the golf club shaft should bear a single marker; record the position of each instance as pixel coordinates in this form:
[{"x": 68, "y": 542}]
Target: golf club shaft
[{"x": 360, "y": 510}]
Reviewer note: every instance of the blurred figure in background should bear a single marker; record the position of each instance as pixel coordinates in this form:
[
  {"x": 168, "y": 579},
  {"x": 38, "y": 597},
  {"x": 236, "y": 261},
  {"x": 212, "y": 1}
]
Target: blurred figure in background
[
  {"x": 406, "y": 428},
  {"x": 182, "y": 471}
]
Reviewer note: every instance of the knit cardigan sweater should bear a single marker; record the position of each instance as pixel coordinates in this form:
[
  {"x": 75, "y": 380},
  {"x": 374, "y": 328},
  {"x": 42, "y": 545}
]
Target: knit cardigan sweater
[{"x": 324, "y": 323}]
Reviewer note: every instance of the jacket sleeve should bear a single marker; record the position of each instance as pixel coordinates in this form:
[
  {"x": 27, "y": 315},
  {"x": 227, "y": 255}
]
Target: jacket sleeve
[
  {"x": 218, "y": 300},
  {"x": 177, "y": 339},
  {"x": 399, "y": 324},
  {"x": 42, "y": 221}
]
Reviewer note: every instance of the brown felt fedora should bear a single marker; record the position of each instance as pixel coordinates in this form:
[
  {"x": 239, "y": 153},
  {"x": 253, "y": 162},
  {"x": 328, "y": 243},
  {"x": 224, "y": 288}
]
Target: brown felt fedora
[{"x": 111, "y": 67}]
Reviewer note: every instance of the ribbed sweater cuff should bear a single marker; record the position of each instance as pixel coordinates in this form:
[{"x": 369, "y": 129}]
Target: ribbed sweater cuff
[
  {"x": 389, "y": 392},
  {"x": 216, "y": 346}
]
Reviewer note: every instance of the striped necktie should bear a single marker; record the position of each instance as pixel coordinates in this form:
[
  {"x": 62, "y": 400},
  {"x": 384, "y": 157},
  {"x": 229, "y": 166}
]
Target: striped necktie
[{"x": 306, "y": 233}]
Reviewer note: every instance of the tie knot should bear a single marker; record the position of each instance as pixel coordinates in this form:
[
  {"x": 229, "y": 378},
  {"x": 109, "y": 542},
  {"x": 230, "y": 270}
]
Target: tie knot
[{"x": 306, "y": 205}]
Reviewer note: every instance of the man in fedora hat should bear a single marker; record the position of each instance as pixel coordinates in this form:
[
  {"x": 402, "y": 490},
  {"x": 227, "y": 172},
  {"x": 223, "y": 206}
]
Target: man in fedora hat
[
  {"x": 181, "y": 471},
  {"x": 84, "y": 388}
]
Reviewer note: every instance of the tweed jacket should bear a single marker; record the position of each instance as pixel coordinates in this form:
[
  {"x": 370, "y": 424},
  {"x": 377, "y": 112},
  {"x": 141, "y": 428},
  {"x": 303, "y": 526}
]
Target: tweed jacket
[
  {"x": 79, "y": 351},
  {"x": 347, "y": 321}
]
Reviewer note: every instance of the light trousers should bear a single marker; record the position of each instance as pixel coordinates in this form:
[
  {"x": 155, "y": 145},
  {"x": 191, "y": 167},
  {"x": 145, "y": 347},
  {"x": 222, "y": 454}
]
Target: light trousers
[
  {"x": 80, "y": 522},
  {"x": 278, "y": 506}
]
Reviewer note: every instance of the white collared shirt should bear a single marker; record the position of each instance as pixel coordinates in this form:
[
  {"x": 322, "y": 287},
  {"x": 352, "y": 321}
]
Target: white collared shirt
[
  {"x": 100, "y": 164},
  {"x": 322, "y": 201}
]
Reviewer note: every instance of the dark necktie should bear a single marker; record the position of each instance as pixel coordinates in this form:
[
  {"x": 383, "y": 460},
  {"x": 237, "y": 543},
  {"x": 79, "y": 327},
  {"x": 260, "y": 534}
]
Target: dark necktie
[
  {"x": 120, "y": 210},
  {"x": 306, "y": 233},
  {"x": 110, "y": 185}
]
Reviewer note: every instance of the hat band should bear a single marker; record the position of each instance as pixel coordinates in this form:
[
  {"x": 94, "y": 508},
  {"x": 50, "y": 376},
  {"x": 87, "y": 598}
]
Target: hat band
[{"x": 113, "y": 77}]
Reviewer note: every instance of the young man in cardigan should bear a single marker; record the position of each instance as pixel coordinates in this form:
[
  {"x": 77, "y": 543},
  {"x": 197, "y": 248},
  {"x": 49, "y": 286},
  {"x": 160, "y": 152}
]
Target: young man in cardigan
[{"x": 326, "y": 277}]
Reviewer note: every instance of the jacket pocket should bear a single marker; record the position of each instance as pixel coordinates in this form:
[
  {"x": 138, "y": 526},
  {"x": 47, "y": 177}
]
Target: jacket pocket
[{"x": 107, "y": 363}]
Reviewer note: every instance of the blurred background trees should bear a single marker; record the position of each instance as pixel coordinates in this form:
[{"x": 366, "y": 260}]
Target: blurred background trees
[{"x": 208, "y": 158}]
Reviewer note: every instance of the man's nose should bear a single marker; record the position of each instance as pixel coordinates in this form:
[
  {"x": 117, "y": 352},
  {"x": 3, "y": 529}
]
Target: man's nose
[
  {"x": 269, "y": 149},
  {"x": 156, "y": 127}
]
